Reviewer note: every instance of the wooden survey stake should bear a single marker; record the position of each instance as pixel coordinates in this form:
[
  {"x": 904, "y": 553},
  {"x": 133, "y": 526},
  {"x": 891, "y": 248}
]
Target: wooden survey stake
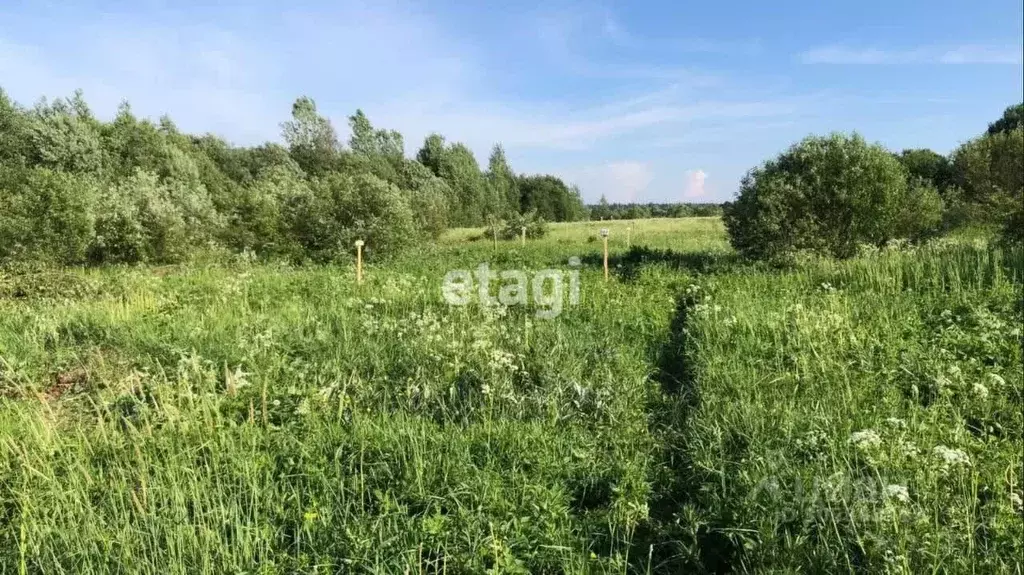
[
  {"x": 604, "y": 235},
  {"x": 358, "y": 261},
  {"x": 524, "y": 236}
]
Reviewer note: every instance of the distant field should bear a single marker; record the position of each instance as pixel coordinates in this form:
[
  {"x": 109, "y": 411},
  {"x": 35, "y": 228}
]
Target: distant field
[
  {"x": 694, "y": 413},
  {"x": 695, "y": 233}
]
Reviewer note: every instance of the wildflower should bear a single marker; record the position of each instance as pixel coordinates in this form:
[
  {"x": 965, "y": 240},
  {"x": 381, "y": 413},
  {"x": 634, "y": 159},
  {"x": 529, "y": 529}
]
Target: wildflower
[
  {"x": 1016, "y": 502},
  {"x": 502, "y": 360},
  {"x": 908, "y": 449},
  {"x": 897, "y": 492},
  {"x": 896, "y": 422},
  {"x": 865, "y": 439},
  {"x": 995, "y": 380},
  {"x": 950, "y": 457},
  {"x": 980, "y": 390}
]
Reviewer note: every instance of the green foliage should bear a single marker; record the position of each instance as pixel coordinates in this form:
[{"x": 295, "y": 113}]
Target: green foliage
[
  {"x": 367, "y": 141},
  {"x": 47, "y": 215},
  {"x": 64, "y": 136},
  {"x": 502, "y": 183},
  {"x": 606, "y": 211},
  {"x": 260, "y": 220},
  {"x": 429, "y": 197},
  {"x": 602, "y": 211},
  {"x": 142, "y": 219},
  {"x": 826, "y": 194},
  {"x": 131, "y": 190},
  {"x": 512, "y": 228},
  {"x": 930, "y": 166},
  {"x": 311, "y": 138},
  {"x": 1012, "y": 119},
  {"x": 14, "y": 132},
  {"x": 990, "y": 170},
  {"x": 550, "y": 198},
  {"x": 342, "y": 209},
  {"x": 1013, "y": 229},
  {"x": 459, "y": 169},
  {"x": 920, "y": 212}
]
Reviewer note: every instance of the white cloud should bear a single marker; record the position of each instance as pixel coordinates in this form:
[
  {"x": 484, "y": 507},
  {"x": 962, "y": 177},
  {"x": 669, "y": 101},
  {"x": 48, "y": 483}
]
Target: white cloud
[
  {"x": 693, "y": 188},
  {"x": 965, "y": 54}
]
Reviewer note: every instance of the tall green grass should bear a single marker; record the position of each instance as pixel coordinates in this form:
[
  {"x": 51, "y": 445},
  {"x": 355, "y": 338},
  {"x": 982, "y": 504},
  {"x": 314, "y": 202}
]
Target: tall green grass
[{"x": 694, "y": 413}]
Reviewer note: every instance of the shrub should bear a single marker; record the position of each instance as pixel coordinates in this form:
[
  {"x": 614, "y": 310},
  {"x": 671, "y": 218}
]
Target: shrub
[
  {"x": 342, "y": 209},
  {"x": 46, "y": 215},
  {"x": 143, "y": 220},
  {"x": 257, "y": 221},
  {"x": 428, "y": 196},
  {"x": 512, "y": 229},
  {"x": 1013, "y": 229},
  {"x": 990, "y": 169},
  {"x": 827, "y": 195},
  {"x": 920, "y": 214}
]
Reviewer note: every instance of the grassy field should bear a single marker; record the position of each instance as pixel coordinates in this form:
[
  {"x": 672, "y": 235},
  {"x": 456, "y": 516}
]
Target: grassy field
[{"x": 694, "y": 413}]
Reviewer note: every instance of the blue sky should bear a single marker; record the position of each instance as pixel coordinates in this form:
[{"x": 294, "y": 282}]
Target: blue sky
[{"x": 645, "y": 101}]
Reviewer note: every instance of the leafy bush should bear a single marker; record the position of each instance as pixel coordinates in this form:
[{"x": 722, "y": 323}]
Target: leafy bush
[
  {"x": 47, "y": 215},
  {"x": 257, "y": 219},
  {"x": 144, "y": 220},
  {"x": 827, "y": 195},
  {"x": 342, "y": 209},
  {"x": 1013, "y": 229},
  {"x": 920, "y": 214},
  {"x": 429, "y": 197},
  {"x": 512, "y": 228},
  {"x": 924, "y": 163},
  {"x": 990, "y": 170}
]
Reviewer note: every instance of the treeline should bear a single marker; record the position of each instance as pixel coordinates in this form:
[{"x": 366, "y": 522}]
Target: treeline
[
  {"x": 75, "y": 189},
  {"x": 833, "y": 194},
  {"x": 606, "y": 211}
]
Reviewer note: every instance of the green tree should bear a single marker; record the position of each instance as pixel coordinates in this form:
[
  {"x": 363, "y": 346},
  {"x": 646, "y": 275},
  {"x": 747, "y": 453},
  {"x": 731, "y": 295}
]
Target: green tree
[
  {"x": 65, "y": 136},
  {"x": 502, "y": 182},
  {"x": 14, "y": 132},
  {"x": 130, "y": 144},
  {"x": 933, "y": 167},
  {"x": 990, "y": 170},
  {"x": 550, "y": 198},
  {"x": 602, "y": 211},
  {"x": 428, "y": 197},
  {"x": 47, "y": 215},
  {"x": 825, "y": 194},
  {"x": 456, "y": 165},
  {"x": 344, "y": 208},
  {"x": 1012, "y": 119},
  {"x": 432, "y": 153},
  {"x": 370, "y": 142},
  {"x": 312, "y": 140}
]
